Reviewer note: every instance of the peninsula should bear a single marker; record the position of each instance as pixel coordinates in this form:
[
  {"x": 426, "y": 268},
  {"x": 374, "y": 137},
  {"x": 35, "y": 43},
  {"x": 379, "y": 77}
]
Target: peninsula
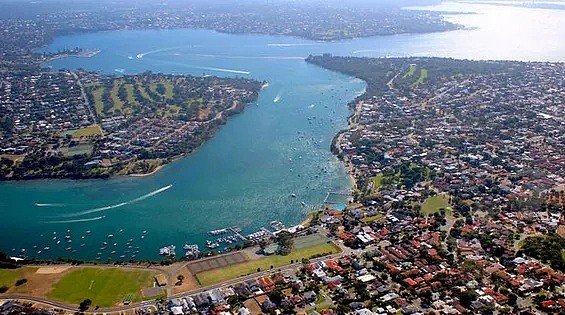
[{"x": 88, "y": 125}]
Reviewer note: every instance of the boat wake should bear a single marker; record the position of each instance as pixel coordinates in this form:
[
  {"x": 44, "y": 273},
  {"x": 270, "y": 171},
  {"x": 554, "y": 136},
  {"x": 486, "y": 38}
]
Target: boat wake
[
  {"x": 365, "y": 51},
  {"x": 121, "y": 204},
  {"x": 250, "y": 57},
  {"x": 50, "y": 205},
  {"x": 141, "y": 55},
  {"x": 201, "y": 68},
  {"x": 289, "y": 45},
  {"x": 78, "y": 220},
  {"x": 224, "y": 70}
]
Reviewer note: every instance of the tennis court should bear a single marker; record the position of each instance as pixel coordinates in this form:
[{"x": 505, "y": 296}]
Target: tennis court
[
  {"x": 309, "y": 240},
  {"x": 216, "y": 262}
]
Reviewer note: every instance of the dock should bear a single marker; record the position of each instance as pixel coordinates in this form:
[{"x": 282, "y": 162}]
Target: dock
[
  {"x": 237, "y": 233},
  {"x": 332, "y": 193}
]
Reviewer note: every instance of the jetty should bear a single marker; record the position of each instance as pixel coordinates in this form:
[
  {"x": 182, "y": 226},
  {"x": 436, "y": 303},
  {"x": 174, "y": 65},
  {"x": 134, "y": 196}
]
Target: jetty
[
  {"x": 236, "y": 231},
  {"x": 327, "y": 199}
]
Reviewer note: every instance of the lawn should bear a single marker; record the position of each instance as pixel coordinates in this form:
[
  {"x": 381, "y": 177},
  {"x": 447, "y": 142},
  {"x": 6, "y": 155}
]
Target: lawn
[
  {"x": 98, "y": 104},
  {"x": 93, "y": 130},
  {"x": 410, "y": 72},
  {"x": 377, "y": 182},
  {"x": 434, "y": 203},
  {"x": 130, "y": 94},
  {"x": 222, "y": 274},
  {"x": 377, "y": 217},
  {"x": 422, "y": 78},
  {"x": 104, "y": 286},
  {"x": 116, "y": 102},
  {"x": 78, "y": 150}
]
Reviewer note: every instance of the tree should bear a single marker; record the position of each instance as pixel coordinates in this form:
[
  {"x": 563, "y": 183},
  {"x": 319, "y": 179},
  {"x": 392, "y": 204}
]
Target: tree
[
  {"x": 84, "y": 305},
  {"x": 20, "y": 282},
  {"x": 467, "y": 297},
  {"x": 512, "y": 298}
]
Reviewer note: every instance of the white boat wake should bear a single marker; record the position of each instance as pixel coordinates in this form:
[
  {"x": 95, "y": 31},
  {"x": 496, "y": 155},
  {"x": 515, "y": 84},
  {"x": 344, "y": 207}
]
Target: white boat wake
[
  {"x": 289, "y": 45},
  {"x": 121, "y": 204},
  {"x": 50, "y": 205},
  {"x": 250, "y": 57},
  {"x": 78, "y": 220},
  {"x": 223, "y": 70},
  {"x": 203, "y": 68},
  {"x": 365, "y": 51},
  {"x": 141, "y": 55}
]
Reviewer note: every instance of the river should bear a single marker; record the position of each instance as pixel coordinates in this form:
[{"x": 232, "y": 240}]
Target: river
[{"x": 247, "y": 173}]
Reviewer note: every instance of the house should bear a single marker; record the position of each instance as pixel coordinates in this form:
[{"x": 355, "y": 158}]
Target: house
[
  {"x": 309, "y": 296},
  {"x": 266, "y": 284}
]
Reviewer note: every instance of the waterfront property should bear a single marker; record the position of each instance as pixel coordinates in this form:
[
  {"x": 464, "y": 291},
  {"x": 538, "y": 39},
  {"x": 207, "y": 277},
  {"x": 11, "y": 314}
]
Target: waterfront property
[{"x": 309, "y": 248}]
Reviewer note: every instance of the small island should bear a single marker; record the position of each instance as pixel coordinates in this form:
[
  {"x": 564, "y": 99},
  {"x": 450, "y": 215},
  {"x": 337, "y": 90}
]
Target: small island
[{"x": 90, "y": 125}]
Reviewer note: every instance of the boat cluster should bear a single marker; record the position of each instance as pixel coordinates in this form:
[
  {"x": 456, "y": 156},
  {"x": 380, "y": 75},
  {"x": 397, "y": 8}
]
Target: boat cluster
[
  {"x": 277, "y": 225},
  {"x": 262, "y": 234},
  {"x": 218, "y": 232},
  {"x": 67, "y": 238},
  {"x": 168, "y": 251},
  {"x": 191, "y": 250},
  {"x": 131, "y": 250},
  {"x": 225, "y": 240}
]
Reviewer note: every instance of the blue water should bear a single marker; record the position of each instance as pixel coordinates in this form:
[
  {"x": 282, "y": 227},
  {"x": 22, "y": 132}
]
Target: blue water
[{"x": 246, "y": 174}]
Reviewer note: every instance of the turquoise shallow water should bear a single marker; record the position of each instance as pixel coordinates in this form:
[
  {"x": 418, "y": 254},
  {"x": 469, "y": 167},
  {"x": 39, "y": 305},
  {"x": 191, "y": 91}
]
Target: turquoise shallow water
[{"x": 246, "y": 174}]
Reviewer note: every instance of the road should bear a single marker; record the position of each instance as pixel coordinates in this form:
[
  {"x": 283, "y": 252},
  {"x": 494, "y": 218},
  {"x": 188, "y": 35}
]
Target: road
[{"x": 86, "y": 101}]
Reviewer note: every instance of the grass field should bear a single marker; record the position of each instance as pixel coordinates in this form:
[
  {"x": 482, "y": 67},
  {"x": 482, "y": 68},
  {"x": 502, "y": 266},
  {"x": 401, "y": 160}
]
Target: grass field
[
  {"x": 410, "y": 72},
  {"x": 422, "y": 78},
  {"x": 234, "y": 271},
  {"x": 309, "y": 241},
  {"x": 78, "y": 150},
  {"x": 97, "y": 95},
  {"x": 104, "y": 286},
  {"x": 8, "y": 277},
  {"x": 377, "y": 182},
  {"x": 93, "y": 130},
  {"x": 376, "y": 217},
  {"x": 433, "y": 204}
]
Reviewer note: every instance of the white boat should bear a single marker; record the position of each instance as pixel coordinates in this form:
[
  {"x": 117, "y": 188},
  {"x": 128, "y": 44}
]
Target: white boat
[{"x": 167, "y": 250}]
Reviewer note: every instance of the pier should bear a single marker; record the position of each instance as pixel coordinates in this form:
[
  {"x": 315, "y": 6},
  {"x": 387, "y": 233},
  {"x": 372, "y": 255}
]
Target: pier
[
  {"x": 236, "y": 232},
  {"x": 333, "y": 193}
]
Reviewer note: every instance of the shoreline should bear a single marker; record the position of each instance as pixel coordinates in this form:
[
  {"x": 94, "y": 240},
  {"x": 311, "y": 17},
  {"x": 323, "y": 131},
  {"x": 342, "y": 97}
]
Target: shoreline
[{"x": 153, "y": 172}]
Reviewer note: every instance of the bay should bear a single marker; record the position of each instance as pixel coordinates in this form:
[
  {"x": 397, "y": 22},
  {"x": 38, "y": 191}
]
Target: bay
[{"x": 279, "y": 146}]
